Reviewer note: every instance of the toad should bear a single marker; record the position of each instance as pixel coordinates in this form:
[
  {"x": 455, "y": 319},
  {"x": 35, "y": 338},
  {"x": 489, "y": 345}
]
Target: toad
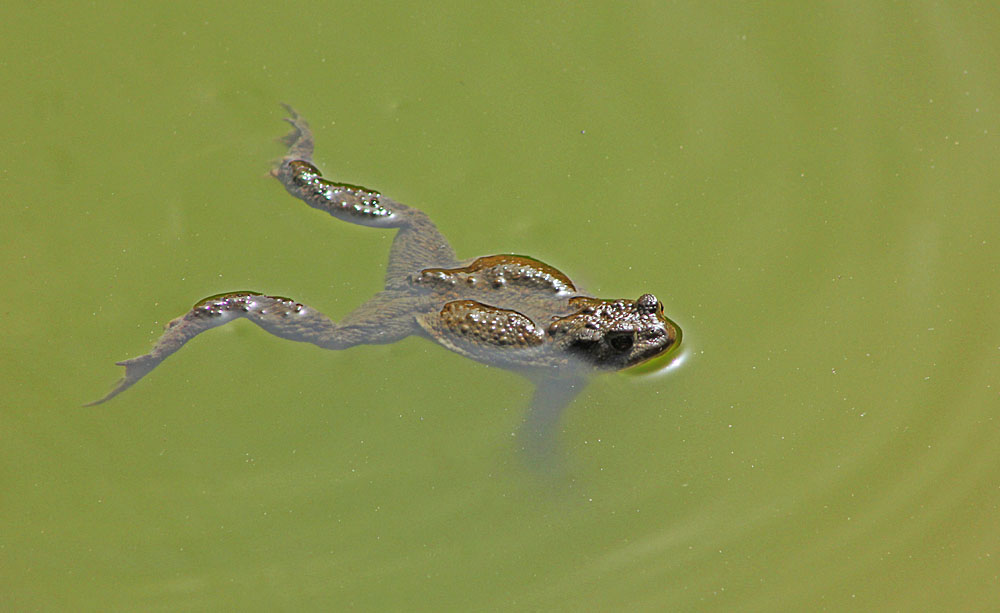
[{"x": 510, "y": 311}]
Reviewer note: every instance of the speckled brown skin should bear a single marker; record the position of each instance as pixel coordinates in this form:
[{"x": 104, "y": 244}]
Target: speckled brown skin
[{"x": 504, "y": 310}]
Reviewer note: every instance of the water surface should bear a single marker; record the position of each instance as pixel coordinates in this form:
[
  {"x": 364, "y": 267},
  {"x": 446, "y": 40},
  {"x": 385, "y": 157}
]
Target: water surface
[{"x": 811, "y": 192}]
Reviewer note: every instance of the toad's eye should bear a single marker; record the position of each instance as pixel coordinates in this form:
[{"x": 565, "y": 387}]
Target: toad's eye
[{"x": 621, "y": 341}]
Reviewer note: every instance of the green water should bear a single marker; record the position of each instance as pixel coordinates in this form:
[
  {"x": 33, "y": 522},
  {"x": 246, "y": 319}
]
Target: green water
[{"x": 812, "y": 192}]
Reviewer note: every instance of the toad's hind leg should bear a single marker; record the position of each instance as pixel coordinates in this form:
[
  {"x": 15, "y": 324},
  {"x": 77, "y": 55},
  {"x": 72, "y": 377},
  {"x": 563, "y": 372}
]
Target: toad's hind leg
[
  {"x": 418, "y": 243},
  {"x": 384, "y": 319}
]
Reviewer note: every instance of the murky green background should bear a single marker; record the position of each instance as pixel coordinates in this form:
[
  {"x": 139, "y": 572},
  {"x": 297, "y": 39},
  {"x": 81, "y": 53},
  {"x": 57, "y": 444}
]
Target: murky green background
[{"x": 812, "y": 191}]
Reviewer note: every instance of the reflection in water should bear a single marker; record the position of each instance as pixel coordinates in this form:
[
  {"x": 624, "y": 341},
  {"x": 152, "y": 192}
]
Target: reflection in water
[{"x": 660, "y": 366}]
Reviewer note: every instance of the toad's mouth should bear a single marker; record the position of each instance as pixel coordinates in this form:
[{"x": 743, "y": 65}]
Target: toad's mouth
[
  {"x": 662, "y": 348},
  {"x": 664, "y": 355}
]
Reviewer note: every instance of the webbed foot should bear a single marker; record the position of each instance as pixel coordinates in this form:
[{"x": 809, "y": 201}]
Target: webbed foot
[
  {"x": 299, "y": 140},
  {"x": 135, "y": 369}
]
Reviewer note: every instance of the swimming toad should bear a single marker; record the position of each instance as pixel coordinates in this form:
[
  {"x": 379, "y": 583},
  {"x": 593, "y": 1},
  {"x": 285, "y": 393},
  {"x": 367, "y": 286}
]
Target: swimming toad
[{"x": 506, "y": 310}]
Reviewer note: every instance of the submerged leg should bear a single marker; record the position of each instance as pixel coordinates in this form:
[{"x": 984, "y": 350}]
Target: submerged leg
[
  {"x": 539, "y": 431},
  {"x": 417, "y": 245},
  {"x": 382, "y": 320}
]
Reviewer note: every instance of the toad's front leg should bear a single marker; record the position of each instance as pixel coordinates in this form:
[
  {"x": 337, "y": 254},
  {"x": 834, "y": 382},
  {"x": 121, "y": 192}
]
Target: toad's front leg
[{"x": 377, "y": 322}]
